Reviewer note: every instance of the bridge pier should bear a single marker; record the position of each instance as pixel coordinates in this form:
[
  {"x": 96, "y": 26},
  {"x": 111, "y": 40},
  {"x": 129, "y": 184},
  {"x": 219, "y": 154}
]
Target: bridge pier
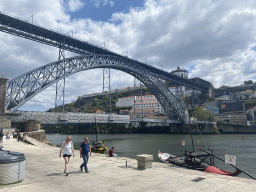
[
  {"x": 3, "y": 81},
  {"x": 4, "y": 123}
]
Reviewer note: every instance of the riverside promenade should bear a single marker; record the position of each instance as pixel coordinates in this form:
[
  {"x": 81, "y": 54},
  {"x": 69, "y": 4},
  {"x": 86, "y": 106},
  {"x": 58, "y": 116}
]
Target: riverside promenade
[{"x": 44, "y": 172}]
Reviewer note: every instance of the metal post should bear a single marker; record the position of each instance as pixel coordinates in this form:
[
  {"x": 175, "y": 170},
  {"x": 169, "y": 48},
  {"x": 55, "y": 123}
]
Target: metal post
[
  {"x": 141, "y": 100},
  {"x": 181, "y": 95},
  {"x": 134, "y": 98},
  {"x": 106, "y": 87},
  {"x": 60, "y": 85},
  {"x": 177, "y": 91},
  {"x": 136, "y": 82},
  {"x": 192, "y": 95}
]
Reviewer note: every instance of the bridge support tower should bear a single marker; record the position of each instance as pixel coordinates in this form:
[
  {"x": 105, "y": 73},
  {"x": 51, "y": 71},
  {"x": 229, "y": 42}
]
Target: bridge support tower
[
  {"x": 106, "y": 88},
  {"x": 60, "y": 85},
  {"x": 3, "y": 81}
]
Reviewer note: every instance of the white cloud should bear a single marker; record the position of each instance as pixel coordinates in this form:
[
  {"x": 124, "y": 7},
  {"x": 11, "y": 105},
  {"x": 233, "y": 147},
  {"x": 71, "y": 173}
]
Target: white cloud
[
  {"x": 213, "y": 39},
  {"x": 111, "y": 3},
  {"x": 75, "y": 5},
  {"x": 102, "y": 3}
]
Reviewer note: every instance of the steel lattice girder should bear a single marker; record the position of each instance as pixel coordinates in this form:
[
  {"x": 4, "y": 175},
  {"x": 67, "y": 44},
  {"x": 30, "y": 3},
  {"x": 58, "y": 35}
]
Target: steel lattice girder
[
  {"x": 23, "y": 88},
  {"x": 18, "y": 27}
]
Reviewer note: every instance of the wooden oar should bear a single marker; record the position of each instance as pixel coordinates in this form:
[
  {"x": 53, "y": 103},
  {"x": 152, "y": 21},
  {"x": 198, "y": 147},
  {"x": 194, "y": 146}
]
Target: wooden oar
[{"x": 237, "y": 168}]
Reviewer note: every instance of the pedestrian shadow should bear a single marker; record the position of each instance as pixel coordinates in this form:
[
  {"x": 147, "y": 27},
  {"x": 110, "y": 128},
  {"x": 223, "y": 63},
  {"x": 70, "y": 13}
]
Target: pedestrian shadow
[{"x": 64, "y": 174}]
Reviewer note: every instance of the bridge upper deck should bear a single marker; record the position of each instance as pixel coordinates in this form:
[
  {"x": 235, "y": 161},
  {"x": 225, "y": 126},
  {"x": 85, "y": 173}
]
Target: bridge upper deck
[{"x": 25, "y": 29}]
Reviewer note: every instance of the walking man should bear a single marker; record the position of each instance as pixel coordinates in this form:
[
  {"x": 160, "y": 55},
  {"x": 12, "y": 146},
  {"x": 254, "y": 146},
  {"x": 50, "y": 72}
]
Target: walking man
[{"x": 85, "y": 149}]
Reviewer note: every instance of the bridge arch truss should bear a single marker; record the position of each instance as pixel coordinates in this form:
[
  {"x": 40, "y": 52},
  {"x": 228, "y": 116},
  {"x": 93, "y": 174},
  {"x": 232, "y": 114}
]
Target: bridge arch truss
[{"x": 24, "y": 87}]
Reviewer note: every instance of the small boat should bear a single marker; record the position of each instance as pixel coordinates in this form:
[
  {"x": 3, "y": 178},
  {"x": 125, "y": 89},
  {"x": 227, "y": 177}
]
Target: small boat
[
  {"x": 201, "y": 161},
  {"x": 98, "y": 146}
]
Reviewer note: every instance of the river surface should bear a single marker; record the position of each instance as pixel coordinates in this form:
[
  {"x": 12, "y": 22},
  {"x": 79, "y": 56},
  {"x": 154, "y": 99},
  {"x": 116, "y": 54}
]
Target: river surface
[{"x": 130, "y": 145}]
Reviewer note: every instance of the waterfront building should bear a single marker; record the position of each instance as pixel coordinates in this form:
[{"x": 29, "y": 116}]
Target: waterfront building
[
  {"x": 212, "y": 106},
  {"x": 251, "y": 114},
  {"x": 234, "y": 118},
  {"x": 230, "y": 106},
  {"x": 145, "y": 106},
  {"x": 126, "y": 101}
]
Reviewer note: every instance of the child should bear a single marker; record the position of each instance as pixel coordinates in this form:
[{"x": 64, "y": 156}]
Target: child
[{"x": 7, "y": 138}]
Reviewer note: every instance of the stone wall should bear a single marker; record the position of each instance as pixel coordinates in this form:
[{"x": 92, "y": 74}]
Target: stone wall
[
  {"x": 32, "y": 125},
  {"x": 178, "y": 129},
  {"x": 4, "y": 123},
  {"x": 10, "y": 130},
  {"x": 237, "y": 129},
  {"x": 5, "y": 126},
  {"x": 3, "y": 81},
  {"x": 39, "y": 135}
]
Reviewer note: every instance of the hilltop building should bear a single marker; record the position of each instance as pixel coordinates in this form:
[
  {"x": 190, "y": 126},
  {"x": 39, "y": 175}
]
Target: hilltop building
[
  {"x": 181, "y": 73},
  {"x": 145, "y": 106}
]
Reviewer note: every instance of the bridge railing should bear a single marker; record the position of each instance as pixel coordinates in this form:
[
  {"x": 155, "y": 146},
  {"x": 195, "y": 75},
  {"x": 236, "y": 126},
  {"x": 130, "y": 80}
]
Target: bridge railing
[{"x": 71, "y": 118}]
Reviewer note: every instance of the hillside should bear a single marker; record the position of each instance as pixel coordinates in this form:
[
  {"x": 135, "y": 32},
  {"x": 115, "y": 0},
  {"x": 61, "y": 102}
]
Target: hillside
[{"x": 91, "y": 105}]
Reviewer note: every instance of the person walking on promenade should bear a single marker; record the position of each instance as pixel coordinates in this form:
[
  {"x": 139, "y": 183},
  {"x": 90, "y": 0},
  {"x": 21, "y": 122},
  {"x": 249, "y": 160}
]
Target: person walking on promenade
[
  {"x": 1, "y": 136},
  {"x": 68, "y": 149},
  {"x": 85, "y": 149},
  {"x": 7, "y": 138},
  {"x": 18, "y": 136},
  {"x": 111, "y": 152}
]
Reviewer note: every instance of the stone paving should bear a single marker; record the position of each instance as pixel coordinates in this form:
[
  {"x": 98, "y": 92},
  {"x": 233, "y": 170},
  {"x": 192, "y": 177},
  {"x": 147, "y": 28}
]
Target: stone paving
[{"x": 44, "y": 172}]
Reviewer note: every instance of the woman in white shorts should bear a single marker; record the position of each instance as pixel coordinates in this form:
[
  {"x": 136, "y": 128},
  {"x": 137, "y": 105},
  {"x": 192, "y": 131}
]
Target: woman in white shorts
[{"x": 68, "y": 149}]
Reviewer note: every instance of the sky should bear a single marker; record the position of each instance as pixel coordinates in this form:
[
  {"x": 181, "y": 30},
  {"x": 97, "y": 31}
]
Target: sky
[{"x": 213, "y": 40}]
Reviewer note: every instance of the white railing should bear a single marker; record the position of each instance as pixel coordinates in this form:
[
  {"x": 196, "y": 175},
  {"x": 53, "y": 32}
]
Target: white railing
[{"x": 73, "y": 118}]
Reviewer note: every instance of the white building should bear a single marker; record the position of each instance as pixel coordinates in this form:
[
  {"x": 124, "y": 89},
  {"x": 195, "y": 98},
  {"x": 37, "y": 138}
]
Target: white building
[
  {"x": 181, "y": 73},
  {"x": 147, "y": 105},
  {"x": 224, "y": 97},
  {"x": 125, "y": 101},
  {"x": 182, "y": 90},
  {"x": 148, "y": 101}
]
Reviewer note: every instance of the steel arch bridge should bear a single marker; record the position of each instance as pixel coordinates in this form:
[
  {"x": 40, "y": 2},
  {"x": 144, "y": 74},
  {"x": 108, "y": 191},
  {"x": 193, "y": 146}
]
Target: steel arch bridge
[
  {"x": 24, "y": 29},
  {"x": 24, "y": 87}
]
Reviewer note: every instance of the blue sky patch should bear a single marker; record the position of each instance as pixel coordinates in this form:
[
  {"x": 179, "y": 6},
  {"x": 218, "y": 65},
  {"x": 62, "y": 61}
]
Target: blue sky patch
[
  {"x": 254, "y": 48},
  {"x": 104, "y": 11}
]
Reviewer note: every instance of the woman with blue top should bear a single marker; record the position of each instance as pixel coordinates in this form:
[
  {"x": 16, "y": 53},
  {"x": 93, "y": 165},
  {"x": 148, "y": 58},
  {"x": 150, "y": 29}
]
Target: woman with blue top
[{"x": 68, "y": 149}]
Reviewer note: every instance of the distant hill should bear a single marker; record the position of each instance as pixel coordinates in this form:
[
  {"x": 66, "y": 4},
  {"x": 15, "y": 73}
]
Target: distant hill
[
  {"x": 91, "y": 105},
  {"x": 219, "y": 92}
]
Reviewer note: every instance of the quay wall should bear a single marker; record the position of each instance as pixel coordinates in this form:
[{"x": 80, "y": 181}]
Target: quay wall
[
  {"x": 211, "y": 128},
  {"x": 236, "y": 129},
  {"x": 39, "y": 135}
]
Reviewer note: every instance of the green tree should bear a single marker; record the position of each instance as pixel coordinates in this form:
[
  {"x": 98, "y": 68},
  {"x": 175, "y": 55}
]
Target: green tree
[
  {"x": 224, "y": 86},
  {"x": 248, "y": 82},
  {"x": 202, "y": 114}
]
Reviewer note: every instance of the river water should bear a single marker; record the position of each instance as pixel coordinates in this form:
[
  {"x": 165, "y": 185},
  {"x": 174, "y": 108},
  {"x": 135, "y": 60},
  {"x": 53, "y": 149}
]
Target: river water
[{"x": 130, "y": 145}]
